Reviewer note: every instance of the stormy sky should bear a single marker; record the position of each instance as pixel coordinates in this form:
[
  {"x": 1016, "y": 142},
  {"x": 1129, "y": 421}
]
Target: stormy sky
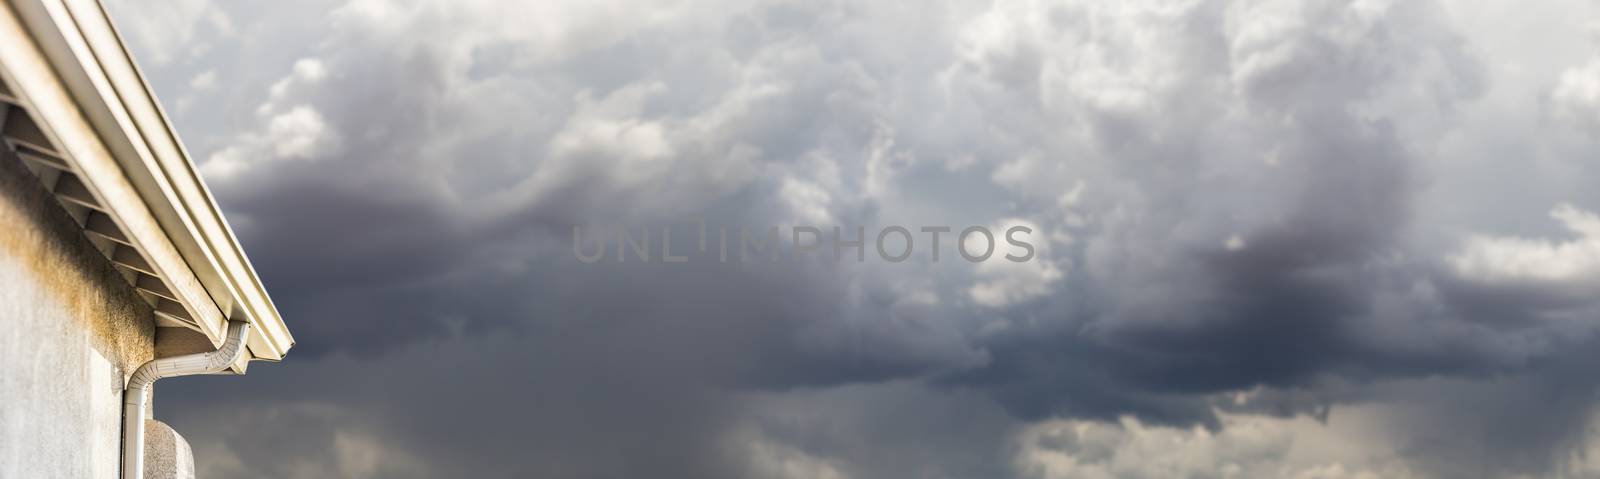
[{"x": 1275, "y": 239}]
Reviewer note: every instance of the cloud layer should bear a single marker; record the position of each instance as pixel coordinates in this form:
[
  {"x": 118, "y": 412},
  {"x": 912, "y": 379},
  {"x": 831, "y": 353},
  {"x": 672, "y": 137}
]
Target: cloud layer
[{"x": 1266, "y": 233}]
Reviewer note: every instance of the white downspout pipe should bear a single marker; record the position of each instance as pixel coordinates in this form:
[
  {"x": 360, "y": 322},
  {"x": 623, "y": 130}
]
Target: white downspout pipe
[{"x": 138, "y": 390}]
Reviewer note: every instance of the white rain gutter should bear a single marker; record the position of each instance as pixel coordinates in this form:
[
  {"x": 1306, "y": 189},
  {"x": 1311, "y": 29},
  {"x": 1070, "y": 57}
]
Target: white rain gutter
[{"x": 134, "y": 397}]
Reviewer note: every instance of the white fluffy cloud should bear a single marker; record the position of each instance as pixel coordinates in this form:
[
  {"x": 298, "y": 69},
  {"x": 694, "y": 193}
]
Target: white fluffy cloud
[
  {"x": 1571, "y": 261},
  {"x": 1003, "y": 282},
  {"x": 297, "y": 132},
  {"x": 1576, "y": 96}
]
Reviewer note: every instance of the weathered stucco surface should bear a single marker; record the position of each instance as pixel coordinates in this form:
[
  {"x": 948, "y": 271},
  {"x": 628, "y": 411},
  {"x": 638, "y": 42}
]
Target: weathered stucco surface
[
  {"x": 166, "y": 453},
  {"x": 73, "y": 329}
]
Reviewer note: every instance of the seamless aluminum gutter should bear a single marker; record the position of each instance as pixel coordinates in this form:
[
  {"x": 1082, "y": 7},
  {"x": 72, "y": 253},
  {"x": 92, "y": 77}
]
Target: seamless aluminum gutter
[{"x": 68, "y": 62}]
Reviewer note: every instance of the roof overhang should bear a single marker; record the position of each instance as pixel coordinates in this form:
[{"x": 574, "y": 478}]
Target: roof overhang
[{"x": 74, "y": 105}]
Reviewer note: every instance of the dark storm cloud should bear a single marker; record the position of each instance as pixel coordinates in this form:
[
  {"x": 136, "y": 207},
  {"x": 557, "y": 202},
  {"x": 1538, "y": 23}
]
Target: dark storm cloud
[
  {"x": 1233, "y": 203},
  {"x": 1177, "y": 312}
]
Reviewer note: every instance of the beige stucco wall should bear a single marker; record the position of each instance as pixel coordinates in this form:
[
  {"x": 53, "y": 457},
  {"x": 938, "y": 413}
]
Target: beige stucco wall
[{"x": 71, "y": 329}]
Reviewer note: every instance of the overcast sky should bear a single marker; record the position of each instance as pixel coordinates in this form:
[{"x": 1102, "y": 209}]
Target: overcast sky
[{"x": 1286, "y": 239}]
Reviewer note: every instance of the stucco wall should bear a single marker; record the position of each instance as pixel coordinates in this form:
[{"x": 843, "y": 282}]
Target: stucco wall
[
  {"x": 70, "y": 330},
  {"x": 166, "y": 453}
]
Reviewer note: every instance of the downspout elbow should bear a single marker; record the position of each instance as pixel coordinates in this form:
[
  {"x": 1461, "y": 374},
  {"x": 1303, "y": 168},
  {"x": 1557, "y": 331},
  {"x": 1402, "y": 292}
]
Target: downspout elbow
[{"x": 136, "y": 394}]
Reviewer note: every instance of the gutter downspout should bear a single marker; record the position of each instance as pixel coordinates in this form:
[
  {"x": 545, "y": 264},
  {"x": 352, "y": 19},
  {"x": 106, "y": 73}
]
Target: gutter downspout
[{"x": 135, "y": 395}]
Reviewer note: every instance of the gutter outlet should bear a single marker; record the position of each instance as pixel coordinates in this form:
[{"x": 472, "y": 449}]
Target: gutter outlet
[{"x": 137, "y": 393}]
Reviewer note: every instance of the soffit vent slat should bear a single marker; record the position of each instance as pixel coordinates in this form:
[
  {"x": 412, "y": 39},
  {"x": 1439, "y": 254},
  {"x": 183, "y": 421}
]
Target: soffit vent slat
[
  {"x": 129, "y": 257},
  {"x": 38, "y": 156},
  {"x": 155, "y": 286},
  {"x": 20, "y": 128},
  {"x": 70, "y": 188},
  {"x": 173, "y": 310},
  {"x": 102, "y": 225}
]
